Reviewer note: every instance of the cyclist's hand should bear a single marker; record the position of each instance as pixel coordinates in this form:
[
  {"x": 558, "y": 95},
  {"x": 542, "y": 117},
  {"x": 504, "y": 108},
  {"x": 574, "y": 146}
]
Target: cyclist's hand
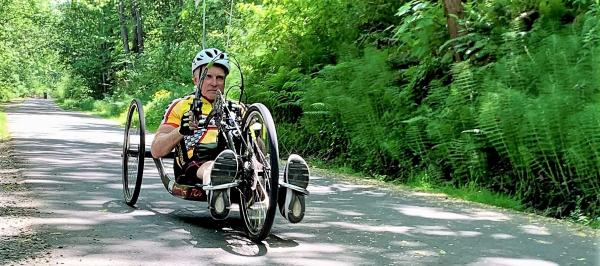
[
  {"x": 186, "y": 127},
  {"x": 201, "y": 123}
]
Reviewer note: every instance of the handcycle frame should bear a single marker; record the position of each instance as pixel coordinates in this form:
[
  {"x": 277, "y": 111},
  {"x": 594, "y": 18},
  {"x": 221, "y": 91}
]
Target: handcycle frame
[{"x": 257, "y": 188}]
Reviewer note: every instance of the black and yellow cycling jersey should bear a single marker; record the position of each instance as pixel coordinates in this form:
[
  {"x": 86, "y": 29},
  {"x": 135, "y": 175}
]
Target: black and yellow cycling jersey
[{"x": 203, "y": 145}]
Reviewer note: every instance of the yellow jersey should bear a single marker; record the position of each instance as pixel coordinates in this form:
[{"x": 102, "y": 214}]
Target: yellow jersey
[{"x": 203, "y": 144}]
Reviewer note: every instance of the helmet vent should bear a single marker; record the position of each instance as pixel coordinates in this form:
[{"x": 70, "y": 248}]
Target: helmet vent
[{"x": 208, "y": 56}]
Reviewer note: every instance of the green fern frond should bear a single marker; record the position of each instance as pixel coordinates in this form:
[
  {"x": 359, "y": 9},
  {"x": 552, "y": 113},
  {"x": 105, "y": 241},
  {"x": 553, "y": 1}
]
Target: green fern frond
[
  {"x": 415, "y": 139},
  {"x": 467, "y": 161},
  {"x": 583, "y": 153},
  {"x": 464, "y": 80}
]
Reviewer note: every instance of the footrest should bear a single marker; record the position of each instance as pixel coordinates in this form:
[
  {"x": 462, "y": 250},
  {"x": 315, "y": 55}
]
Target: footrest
[
  {"x": 222, "y": 186},
  {"x": 295, "y": 188}
]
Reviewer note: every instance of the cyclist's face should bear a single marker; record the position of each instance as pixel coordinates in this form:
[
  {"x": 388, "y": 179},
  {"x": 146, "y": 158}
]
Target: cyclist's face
[{"x": 214, "y": 81}]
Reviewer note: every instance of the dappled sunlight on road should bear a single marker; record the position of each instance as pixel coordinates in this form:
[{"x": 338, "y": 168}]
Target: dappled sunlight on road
[
  {"x": 502, "y": 236},
  {"x": 535, "y": 230},
  {"x": 512, "y": 262},
  {"x": 297, "y": 235},
  {"x": 404, "y": 243},
  {"x": 412, "y": 229},
  {"x": 438, "y": 213},
  {"x": 348, "y": 212},
  {"x": 444, "y": 231},
  {"x": 83, "y": 212},
  {"x": 370, "y": 228},
  {"x": 432, "y": 213},
  {"x": 65, "y": 221},
  {"x": 44, "y": 181}
]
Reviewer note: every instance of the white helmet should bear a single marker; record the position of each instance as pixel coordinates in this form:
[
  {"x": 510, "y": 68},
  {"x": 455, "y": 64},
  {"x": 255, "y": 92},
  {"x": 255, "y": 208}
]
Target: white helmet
[{"x": 211, "y": 55}]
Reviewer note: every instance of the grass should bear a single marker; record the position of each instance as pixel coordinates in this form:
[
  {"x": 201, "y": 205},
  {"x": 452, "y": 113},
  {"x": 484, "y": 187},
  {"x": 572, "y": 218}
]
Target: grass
[
  {"x": 344, "y": 170},
  {"x": 421, "y": 182},
  {"x": 3, "y": 125},
  {"x": 469, "y": 192},
  {"x": 595, "y": 223},
  {"x": 116, "y": 111}
]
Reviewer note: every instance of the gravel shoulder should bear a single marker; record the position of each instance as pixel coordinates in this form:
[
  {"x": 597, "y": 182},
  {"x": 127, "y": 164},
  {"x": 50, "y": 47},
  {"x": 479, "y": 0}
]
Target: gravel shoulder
[{"x": 19, "y": 243}]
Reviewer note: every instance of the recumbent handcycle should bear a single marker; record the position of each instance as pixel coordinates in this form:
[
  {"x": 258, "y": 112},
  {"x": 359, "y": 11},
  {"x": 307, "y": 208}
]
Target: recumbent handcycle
[{"x": 251, "y": 136}]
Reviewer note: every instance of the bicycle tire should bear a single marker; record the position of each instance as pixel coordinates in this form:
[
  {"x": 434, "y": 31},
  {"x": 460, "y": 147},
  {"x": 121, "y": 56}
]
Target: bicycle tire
[
  {"x": 134, "y": 150},
  {"x": 258, "y": 226}
]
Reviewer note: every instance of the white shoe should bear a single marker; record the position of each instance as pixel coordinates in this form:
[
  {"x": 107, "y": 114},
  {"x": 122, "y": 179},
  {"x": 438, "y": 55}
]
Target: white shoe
[{"x": 291, "y": 202}]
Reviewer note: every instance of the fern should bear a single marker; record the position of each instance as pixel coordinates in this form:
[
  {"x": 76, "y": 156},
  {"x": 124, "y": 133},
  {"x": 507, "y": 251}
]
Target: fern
[
  {"x": 539, "y": 113},
  {"x": 415, "y": 136},
  {"x": 499, "y": 115},
  {"x": 582, "y": 152},
  {"x": 463, "y": 156}
]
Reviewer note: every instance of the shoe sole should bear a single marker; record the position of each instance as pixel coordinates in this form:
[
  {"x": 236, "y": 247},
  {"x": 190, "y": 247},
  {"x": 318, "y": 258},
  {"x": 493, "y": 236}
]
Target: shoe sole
[
  {"x": 297, "y": 174},
  {"x": 224, "y": 170},
  {"x": 297, "y": 171}
]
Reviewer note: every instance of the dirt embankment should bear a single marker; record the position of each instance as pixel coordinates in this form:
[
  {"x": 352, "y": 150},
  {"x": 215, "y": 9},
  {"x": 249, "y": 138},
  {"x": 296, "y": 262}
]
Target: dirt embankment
[{"x": 19, "y": 243}]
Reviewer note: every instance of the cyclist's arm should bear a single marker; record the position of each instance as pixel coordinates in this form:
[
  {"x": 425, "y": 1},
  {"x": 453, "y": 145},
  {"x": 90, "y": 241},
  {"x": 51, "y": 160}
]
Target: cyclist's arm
[{"x": 167, "y": 136}]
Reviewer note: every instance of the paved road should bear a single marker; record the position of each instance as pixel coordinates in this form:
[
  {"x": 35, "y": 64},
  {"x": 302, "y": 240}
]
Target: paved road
[{"x": 73, "y": 167}]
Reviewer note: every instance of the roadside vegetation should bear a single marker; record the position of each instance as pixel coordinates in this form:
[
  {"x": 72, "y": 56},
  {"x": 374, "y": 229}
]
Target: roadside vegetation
[
  {"x": 3, "y": 126},
  {"x": 491, "y": 101},
  {"x": 4, "y": 134}
]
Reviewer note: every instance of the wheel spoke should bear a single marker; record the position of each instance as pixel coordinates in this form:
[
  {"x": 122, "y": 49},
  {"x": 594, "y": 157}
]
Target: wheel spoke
[
  {"x": 258, "y": 210},
  {"x": 133, "y": 152}
]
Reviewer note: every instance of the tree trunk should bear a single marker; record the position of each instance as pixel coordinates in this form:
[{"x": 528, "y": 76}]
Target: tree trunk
[
  {"x": 138, "y": 42},
  {"x": 123, "y": 22},
  {"x": 454, "y": 10}
]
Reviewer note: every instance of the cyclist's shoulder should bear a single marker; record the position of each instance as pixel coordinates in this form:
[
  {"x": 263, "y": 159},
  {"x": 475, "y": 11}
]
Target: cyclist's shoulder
[
  {"x": 183, "y": 99},
  {"x": 179, "y": 105}
]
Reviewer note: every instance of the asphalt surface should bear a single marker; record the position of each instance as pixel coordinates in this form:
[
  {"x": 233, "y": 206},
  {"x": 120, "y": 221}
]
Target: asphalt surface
[{"x": 73, "y": 168}]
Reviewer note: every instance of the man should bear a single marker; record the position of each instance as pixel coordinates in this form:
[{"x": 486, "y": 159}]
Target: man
[{"x": 200, "y": 154}]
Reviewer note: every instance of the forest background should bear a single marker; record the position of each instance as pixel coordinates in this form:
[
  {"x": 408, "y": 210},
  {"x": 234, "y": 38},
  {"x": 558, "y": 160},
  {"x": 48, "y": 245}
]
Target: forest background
[{"x": 502, "y": 96}]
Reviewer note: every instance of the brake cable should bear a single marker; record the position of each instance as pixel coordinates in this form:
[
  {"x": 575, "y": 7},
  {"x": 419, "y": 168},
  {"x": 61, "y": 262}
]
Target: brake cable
[{"x": 197, "y": 103}]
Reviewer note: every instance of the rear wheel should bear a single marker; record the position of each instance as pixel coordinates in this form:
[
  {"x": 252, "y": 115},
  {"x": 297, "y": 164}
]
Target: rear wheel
[
  {"x": 134, "y": 150},
  {"x": 258, "y": 198}
]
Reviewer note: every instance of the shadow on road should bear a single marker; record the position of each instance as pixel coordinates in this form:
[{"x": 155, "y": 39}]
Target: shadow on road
[{"x": 74, "y": 169}]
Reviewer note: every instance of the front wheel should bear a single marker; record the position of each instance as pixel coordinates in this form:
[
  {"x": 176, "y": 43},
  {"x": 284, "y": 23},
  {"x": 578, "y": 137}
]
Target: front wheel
[
  {"x": 134, "y": 150},
  {"x": 258, "y": 198}
]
